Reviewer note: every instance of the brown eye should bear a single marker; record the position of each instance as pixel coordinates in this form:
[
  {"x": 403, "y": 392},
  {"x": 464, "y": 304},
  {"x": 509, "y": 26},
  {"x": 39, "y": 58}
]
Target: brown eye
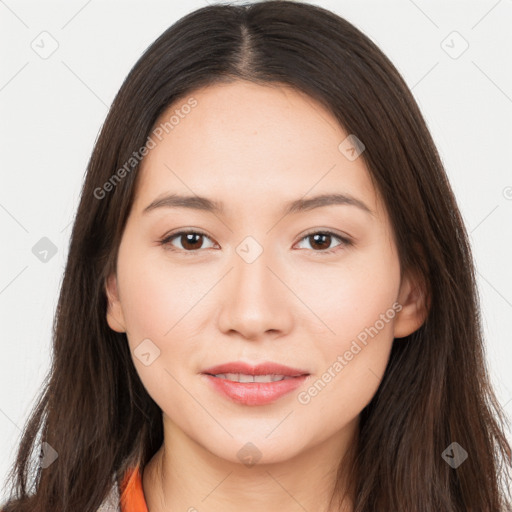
[
  {"x": 189, "y": 241},
  {"x": 320, "y": 241}
]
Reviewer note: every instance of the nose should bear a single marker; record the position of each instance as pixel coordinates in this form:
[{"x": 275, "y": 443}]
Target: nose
[{"x": 256, "y": 299}]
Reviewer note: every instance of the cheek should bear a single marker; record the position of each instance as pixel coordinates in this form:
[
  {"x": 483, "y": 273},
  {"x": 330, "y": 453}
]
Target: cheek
[
  {"x": 360, "y": 308},
  {"x": 149, "y": 304},
  {"x": 352, "y": 295},
  {"x": 156, "y": 293},
  {"x": 157, "y": 300}
]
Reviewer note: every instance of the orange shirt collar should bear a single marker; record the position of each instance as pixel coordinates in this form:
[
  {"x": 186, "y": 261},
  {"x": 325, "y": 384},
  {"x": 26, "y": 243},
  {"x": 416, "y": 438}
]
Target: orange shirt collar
[{"x": 132, "y": 493}]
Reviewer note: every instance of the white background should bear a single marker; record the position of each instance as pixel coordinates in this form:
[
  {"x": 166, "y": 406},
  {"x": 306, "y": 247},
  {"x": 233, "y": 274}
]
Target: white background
[{"x": 52, "y": 110}]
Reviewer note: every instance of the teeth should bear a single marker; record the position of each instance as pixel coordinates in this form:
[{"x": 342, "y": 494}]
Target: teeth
[{"x": 242, "y": 377}]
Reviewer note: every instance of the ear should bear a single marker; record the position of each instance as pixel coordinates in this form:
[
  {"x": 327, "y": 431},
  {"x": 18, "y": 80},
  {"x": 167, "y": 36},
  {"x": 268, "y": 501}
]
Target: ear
[
  {"x": 115, "y": 316},
  {"x": 413, "y": 297}
]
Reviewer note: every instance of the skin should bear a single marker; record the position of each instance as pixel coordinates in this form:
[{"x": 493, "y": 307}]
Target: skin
[{"x": 254, "y": 148}]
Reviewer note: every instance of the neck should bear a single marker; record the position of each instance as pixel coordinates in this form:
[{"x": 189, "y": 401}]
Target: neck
[{"x": 183, "y": 475}]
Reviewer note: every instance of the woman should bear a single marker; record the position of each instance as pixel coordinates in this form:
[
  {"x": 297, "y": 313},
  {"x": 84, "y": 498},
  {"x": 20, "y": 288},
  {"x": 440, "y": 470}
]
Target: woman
[{"x": 270, "y": 299}]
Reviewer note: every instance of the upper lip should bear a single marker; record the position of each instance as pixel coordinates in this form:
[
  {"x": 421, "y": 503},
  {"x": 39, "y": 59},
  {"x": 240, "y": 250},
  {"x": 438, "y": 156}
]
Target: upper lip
[{"x": 265, "y": 368}]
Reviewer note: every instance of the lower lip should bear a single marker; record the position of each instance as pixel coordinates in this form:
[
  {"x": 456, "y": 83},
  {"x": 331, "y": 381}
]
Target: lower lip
[{"x": 255, "y": 393}]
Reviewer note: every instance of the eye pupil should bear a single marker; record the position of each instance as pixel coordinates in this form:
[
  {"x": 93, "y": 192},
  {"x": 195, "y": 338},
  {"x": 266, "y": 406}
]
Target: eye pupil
[
  {"x": 191, "y": 241},
  {"x": 189, "y": 237},
  {"x": 321, "y": 235}
]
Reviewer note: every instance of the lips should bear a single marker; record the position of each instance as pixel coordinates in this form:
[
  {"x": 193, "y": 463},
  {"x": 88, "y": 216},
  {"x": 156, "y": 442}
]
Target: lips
[
  {"x": 236, "y": 381},
  {"x": 265, "y": 368}
]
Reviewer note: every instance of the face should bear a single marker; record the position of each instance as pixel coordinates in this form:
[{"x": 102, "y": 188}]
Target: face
[{"x": 317, "y": 288}]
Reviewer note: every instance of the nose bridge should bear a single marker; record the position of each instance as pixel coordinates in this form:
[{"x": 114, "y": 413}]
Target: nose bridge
[
  {"x": 251, "y": 273},
  {"x": 256, "y": 298}
]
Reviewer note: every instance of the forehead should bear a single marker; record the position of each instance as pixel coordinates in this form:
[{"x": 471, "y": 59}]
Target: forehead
[{"x": 244, "y": 143}]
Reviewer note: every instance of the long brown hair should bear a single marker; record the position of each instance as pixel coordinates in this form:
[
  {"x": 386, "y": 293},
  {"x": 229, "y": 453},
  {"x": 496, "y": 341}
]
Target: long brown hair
[{"x": 94, "y": 410}]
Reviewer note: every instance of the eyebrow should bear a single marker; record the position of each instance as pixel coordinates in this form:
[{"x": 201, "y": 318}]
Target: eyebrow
[{"x": 216, "y": 207}]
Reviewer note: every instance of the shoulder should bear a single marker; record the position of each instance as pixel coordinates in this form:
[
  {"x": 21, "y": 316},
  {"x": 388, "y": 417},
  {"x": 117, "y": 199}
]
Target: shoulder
[
  {"x": 112, "y": 502},
  {"x": 126, "y": 494}
]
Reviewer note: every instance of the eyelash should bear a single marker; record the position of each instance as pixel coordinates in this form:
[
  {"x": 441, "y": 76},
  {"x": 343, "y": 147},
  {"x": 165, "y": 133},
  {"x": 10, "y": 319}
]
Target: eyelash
[{"x": 345, "y": 241}]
